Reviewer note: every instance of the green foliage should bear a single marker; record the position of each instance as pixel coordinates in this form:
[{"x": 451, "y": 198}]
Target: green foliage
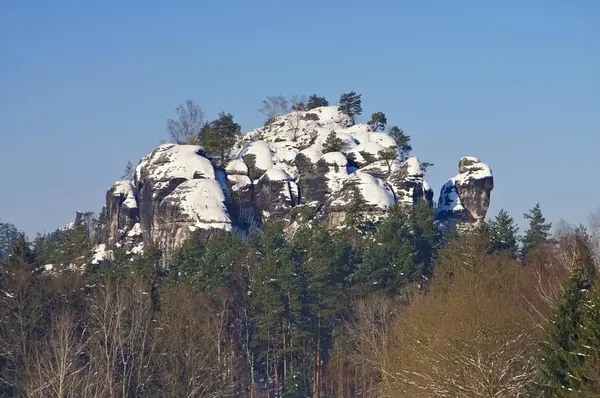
[
  {"x": 378, "y": 121},
  {"x": 538, "y": 232},
  {"x": 333, "y": 143},
  {"x": 209, "y": 266},
  {"x": 388, "y": 155},
  {"x": 503, "y": 232},
  {"x": 402, "y": 140},
  {"x": 314, "y": 101},
  {"x": 561, "y": 361},
  {"x": 390, "y": 262},
  {"x": 351, "y": 104},
  {"x": 8, "y": 234},
  {"x": 219, "y": 136}
]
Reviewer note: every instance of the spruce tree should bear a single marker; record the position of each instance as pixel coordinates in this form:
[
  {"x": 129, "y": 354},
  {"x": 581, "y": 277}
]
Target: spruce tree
[
  {"x": 314, "y": 101},
  {"x": 503, "y": 232},
  {"x": 537, "y": 233},
  {"x": 390, "y": 264},
  {"x": 561, "y": 365},
  {"x": 333, "y": 143},
  {"x": 351, "y": 104},
  {"x": 219, "y": 136},
  {"x": 378, "y": 121}
]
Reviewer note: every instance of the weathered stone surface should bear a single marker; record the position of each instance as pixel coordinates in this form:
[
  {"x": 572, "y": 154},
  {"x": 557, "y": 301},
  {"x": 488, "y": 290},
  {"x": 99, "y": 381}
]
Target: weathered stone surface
[
  {"x": 465, "y": 198},
  {"x": 283, "y": 171}
]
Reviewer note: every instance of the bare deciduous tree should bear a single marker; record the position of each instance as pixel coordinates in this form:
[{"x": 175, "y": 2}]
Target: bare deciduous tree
[
  {"x": 187, "y": 126},
  {"x": 277, "y": 105},
  {"x": 471, "y": 338},
  {"x": 189, "y": 364},
  {"x": 369, "y": 334},
  {"x": 59, "y": 366},
  {"x": 120, "y": 346}
]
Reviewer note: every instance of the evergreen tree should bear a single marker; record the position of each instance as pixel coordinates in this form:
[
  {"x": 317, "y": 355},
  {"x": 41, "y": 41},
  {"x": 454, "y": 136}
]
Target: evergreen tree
[
  {"x": 327, "y": 261},
  {"x": 503, "y": 232},
  {"x": 314, "y": 101},
  {"x": 8, "y": 235},
  {"x": 537, "y": 233},
  {"x": 388, "y": 155},
  {"x": 129, "y": 172},
  {"x": 390, "y": 264},
  {"x": 351, "y": 104},
  {"x": 278, "y": 315},
  {"x": 378, "y": 121},
  {"x": 333, "y": 143},
  {"x": 219, "y": 136},
  {"x": 560, "y": 363},
  {"x": 402, "y": 140}
]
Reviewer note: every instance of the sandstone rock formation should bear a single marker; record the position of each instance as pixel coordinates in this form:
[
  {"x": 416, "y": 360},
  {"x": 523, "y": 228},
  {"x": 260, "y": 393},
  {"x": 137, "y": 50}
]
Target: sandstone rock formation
[
  {"x": 465, "y": 198},
  {"x": 286, "y": 170}
]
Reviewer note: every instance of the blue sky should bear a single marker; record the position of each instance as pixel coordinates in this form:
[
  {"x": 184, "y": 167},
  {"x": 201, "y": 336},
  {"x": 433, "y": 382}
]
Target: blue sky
[{"x": 86, "y": 86}]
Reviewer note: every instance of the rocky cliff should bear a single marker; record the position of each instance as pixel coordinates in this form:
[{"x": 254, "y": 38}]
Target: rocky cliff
[
  {"x": 304, "y": 165},
  {"x": 465, "y": 198}
]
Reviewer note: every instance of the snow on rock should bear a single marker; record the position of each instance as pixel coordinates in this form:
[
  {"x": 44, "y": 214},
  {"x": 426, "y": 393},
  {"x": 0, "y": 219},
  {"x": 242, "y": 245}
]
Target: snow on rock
[
  {"x": 201, "y": 202},
  {"x": 101, "y": 253},
  {"x": 170, "y": 162},
  {"x": 262, "y": 156},
  {"x": 465, "y": 198},
  {"x": 176, "y": 190},
  {"x": 236, "y": 167},
  {"x": 276, "y": 174},
  {"x": 407, "y": 181},
  {"x": 337, "y": 162},
  {"x": 125, "y": 190},
  {"x": 122, "y": 212}
]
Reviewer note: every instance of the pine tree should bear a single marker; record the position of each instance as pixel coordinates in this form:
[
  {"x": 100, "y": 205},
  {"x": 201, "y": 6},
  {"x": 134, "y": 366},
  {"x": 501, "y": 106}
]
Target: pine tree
[
  {"x": 537, "y": 233},
  {"x": 388, "y": 155},
  {"x": 378, "y": 121},
  {"x": 402, "y": 140},
  {"x": 333, "y": 143},
  {"x": 314, "y": 101},
  {"x": 504, "y": 234},
  {"x": 351, "y": 104},
  {"x": 129, "y": 172},
  {"x": 219, "y": 136}
]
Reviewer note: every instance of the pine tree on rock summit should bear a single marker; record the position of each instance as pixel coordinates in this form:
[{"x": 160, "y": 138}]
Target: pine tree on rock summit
[
  {"x": 314, "y": 101},
  {"x": 351, "y": 104},
  {"x": 219, "y": 136},
  {"x": 378, "y": 121}
]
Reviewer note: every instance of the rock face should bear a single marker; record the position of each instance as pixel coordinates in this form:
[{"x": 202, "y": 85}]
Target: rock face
[
  {"x": 465, "y": 198},
  {"x": 290, "y": 170},
  {"x": 176, "y": 191}
]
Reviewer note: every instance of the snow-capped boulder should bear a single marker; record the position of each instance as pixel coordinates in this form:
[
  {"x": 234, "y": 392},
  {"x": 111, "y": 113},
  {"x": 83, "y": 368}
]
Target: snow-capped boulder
[
  {"x": 360, "y": 193},
  {"x": 465, "y": 198}
]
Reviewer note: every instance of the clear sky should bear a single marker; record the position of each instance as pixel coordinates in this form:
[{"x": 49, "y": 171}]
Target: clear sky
[{"x": 86, "y": 86}]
